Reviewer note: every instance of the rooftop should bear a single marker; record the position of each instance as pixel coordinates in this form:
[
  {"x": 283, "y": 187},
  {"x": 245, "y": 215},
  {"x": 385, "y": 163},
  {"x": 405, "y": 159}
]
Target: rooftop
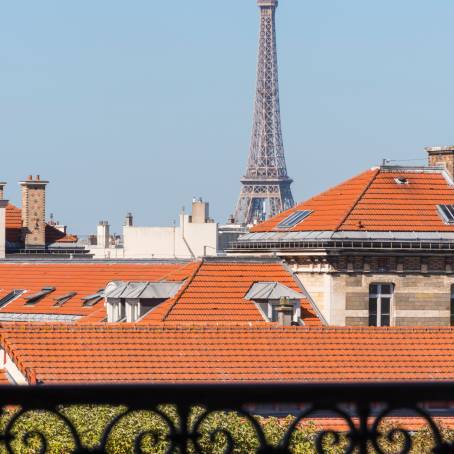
[{"x": 178, "y": 354}]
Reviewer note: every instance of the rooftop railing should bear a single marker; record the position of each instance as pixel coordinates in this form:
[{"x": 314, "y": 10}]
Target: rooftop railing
[{"x": 223, "y": 418}]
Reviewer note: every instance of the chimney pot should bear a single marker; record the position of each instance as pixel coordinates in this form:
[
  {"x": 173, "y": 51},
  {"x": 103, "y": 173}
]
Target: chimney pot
[
  {"x": 30, "y": 178},
  {"x": 285, "y": 312},
  {"x": 38, "y": 178}
]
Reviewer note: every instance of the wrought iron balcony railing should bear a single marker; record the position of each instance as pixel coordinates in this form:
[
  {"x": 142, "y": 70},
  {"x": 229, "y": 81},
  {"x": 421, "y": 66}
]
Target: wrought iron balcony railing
[{"x": 193, "y": 418}]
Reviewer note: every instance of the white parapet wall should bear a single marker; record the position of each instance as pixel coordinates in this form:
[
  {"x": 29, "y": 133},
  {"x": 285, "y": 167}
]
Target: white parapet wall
[{"x": 185, "y": 241}]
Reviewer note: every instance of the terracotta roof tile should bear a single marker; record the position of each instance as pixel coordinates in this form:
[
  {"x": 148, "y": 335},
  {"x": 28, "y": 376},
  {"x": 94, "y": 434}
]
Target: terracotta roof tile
[
  {"x": 83, "y": 278},
  {"x": 216, "y": 293},
  {"x": 264, "y": 353},
  {"x": 373, "y": 201}
]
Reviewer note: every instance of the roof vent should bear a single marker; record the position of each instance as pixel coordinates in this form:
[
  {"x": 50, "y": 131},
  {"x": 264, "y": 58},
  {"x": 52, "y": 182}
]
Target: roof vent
[{"x": 401, "y": 180}]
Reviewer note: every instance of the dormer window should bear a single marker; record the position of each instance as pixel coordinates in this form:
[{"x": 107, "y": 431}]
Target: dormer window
[
  {"x": 269, "y": 296},
  {"x": 294, "y": 219},
  {"x": 130, "y": 301},
  {"x": 447, "y": 213},
  {"x": 35, "y": 297},
  {"x": 401, "y": 180}
]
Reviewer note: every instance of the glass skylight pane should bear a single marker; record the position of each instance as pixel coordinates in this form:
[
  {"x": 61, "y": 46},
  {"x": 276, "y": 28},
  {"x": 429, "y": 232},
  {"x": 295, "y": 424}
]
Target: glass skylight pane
[
  {"x": 294, "y": 219},
  {"x": 10, "y": 296},
  {"x": 447, "y": 212}
]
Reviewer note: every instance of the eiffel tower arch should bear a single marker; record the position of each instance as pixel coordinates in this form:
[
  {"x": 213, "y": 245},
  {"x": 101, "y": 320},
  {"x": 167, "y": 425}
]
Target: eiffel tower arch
[{"x": 265, "y": 188}]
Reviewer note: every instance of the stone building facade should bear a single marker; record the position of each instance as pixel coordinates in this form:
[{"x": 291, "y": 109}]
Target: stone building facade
[{"x": 376, "y": 250}]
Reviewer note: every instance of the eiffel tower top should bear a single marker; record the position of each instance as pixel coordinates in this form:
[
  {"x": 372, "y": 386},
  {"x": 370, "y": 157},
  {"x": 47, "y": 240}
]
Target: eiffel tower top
[
  {"x": 266, "y": 186},
  {"x": 267, "y": 3}
]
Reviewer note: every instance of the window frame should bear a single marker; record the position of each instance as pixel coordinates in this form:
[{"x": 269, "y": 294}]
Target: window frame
[
  {"x": 379, "y": 295},
  {"x": 289, "y": 222}
]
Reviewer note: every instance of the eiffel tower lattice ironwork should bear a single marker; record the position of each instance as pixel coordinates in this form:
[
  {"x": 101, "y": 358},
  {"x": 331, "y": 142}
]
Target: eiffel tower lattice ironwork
[{"x": 265, "y": 189}]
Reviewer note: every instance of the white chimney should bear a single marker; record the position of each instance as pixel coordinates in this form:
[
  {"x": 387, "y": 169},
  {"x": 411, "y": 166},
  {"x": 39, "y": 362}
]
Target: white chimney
[
  {"x": 103, "y": 234},
  {"x": 3, "y": 204}
]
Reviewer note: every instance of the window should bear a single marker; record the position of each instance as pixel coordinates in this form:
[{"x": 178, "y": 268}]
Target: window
[
  {"x": 64, "y": 298},
  {"x": 380, "y": 296},
  {"x": 294, "y": 219},
  {"x": 447, "y": 213},
  {"x": 35, "y": 297},
  {"x": 10, "y": 297},
  {"x": 452, "y": 305}
]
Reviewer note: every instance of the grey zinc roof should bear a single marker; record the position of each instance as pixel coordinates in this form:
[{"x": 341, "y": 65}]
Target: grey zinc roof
[
  {"x": 271, "y": 290},
  {"x": 148, "y": 290},
  {"x": 21, "y": 317}
]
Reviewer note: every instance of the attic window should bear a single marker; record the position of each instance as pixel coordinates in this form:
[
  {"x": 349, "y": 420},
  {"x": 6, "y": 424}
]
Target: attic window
[
  {"x": 447, "y": 213},
  {"x": 401, "y": 180},
  {"x": 35, "y": 297},
  {"x": 91, "y": 300},
  {"x": 10, "y": 297},
  {"x": 294, "y": 219},
  {"x": 64, "y": 298}
]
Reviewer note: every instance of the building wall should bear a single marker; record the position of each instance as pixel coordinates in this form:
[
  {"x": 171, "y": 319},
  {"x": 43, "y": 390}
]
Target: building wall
[
  {"x": 188, "y": 240},
  {"x": 340, "y": 287},
  {"x": 418, "y": 300}
]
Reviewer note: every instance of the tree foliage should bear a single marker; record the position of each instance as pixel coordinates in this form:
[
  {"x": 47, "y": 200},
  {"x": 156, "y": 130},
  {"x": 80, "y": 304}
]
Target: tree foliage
[{"x": 150, "y": 430}]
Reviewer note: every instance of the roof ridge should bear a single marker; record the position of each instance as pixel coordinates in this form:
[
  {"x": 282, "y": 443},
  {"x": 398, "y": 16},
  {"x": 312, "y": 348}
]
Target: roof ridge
[
  {"x": 376, "y": 171},
  {"x": 182, "y": 290}
]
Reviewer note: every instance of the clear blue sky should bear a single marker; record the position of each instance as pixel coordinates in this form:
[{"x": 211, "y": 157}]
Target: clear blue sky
[{"x": 139, "y": 105}]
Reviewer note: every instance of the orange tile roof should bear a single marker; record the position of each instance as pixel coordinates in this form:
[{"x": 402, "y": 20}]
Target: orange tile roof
[
  {"x": 216, "y": 294},
  {"x": 77, "y": 353},
  {"x": 373, "y": 201},
  {"x": 83, "y": 278},
  {"x": 13, "y": 222}
]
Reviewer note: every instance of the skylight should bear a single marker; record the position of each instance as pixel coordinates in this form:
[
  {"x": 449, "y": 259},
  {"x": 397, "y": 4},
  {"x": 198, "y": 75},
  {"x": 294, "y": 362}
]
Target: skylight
[
  {"x": 35, "y": 297},
  {"x": 64, "y": 298},
  {"x": 447, "y": 213},
  {"x": 91, "y": 300},
  {"x": 294, "y": 219},
  {"x": 10, "y": 297}
]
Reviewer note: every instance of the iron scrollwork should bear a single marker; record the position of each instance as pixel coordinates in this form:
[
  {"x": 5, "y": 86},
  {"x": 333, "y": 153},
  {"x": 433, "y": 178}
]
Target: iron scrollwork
[{"x": 223, "y": 419}]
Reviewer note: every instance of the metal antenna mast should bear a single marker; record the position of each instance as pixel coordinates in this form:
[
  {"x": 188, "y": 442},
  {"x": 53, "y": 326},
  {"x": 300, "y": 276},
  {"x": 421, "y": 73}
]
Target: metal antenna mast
[{"x": 265, "y": 188}]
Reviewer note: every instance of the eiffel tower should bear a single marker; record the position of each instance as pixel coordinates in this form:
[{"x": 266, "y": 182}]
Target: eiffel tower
[{"x": 265, "y": 189}]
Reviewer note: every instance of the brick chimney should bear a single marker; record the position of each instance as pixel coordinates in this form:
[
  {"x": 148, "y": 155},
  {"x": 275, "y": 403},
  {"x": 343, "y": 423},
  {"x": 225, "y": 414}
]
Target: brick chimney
[
  {"x": 442, "y": 156},
  {"x": 34, "y": 212}
]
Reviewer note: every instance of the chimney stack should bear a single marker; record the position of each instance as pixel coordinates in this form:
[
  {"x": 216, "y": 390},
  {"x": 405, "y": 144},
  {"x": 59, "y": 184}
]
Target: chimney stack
[
  {"x": 2, "y": 190},
  {"x": 103, "y": 234},
  {"x": 34, "y": 212},
  {"x": 200, "y": 211},
  {"x": 442, "y": 156},
  {"x": 129, "y": 220},
  {"x": 284, "y": 312}
]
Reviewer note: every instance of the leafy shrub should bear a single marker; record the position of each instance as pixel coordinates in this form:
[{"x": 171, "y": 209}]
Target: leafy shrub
[{"x": 37, "y": 429}]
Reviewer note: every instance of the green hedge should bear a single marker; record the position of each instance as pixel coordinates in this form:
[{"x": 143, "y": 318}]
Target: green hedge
[{"x": 90, "y": 423}]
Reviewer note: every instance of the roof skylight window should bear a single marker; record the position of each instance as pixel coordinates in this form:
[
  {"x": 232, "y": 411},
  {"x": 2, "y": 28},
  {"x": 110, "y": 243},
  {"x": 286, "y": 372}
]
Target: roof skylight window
[
  {"x": 401, "y": 180},
  {"x": 91, "y": 300},
  {"x": 35, "y": 297},
  {"x": 294, "y": 219},
  {"x": 64, "y": 298},
  {"x": 10, "y": 297},
  {"x": 447, "y": 213}
]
